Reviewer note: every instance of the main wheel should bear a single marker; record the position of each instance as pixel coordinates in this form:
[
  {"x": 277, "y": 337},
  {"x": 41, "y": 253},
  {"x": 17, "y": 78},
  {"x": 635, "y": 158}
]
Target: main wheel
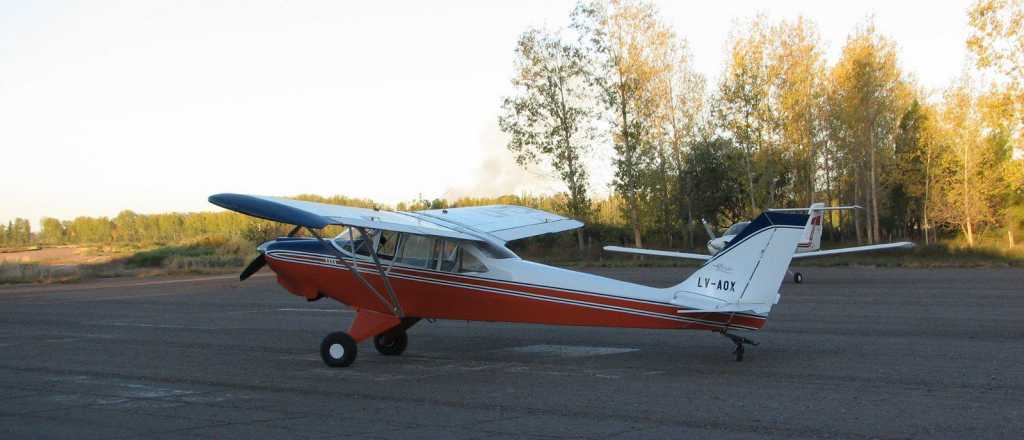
[
  {"x": 391, "y": 343},
  {"x": 798, "y": 277},
  {"x": 338, "y": 349}
]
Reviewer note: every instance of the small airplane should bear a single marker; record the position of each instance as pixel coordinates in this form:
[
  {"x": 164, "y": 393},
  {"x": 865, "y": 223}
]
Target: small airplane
[
  {"x": 808, "y": 247},
  {"x": 395, "y": 268}
]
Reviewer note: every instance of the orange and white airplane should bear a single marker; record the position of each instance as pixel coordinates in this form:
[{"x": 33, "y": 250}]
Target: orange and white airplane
[
  {"x": 396, "y": 268},
  {"x": 809, "y": 245}
]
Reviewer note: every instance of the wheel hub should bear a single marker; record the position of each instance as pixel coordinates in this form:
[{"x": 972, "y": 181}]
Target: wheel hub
[{"x": 337, "y": 351}]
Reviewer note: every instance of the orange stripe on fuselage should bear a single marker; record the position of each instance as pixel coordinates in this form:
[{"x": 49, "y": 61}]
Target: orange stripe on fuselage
[{"x": 432, "y": 294}]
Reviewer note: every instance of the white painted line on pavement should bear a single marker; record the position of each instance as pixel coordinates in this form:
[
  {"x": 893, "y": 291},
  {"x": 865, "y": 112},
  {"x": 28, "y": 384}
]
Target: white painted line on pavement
[{"x": 291, "y": 309}]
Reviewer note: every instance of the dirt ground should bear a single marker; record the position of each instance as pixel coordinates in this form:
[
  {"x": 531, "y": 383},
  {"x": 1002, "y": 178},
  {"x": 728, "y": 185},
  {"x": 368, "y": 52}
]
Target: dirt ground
[{"x": 61, "y": 255}]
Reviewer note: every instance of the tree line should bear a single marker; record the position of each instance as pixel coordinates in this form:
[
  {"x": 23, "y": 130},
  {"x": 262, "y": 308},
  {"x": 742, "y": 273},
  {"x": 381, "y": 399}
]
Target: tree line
[
  {"x": 781, "y": 127},
  {"x": 129, "y": 227}
]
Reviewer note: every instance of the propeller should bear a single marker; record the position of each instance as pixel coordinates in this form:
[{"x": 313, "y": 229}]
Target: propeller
[
  {"x": 253, "y": 267},
  {"x": 257, "y": 263},
  {"x": 707, "y": 228}
]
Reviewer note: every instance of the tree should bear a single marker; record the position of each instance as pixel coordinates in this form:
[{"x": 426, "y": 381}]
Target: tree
[
  {"x": 798, "y": 81},
  {"x": 629, "y": 46},
  {"x": 714, "y": 179},
  {"x": 52, "y": 231},
  {"x": 549, "y": 117},
  {"x": 866, "y": 99},
  {"x": 743, "y": 108},
  {"x": 997, "y": 42},
  {"x": 680, "y": 120},
  {"x": 770, "y": 102},
  {"x": 911, "y": 177},
  {"x": 17, "y": 233},
  {"x": 974, "y": 184}
]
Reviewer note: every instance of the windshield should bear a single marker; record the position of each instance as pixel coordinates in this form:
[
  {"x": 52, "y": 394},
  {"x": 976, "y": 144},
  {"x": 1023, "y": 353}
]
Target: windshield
[
  {"x": 351, "y": 238},
  {"x": 736, "y": 229}
]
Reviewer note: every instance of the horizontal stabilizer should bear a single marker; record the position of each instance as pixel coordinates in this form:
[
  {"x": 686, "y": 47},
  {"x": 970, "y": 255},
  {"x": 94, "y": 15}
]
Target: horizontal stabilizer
[
  {"x": 816, "y": 208},
  {"x": 730, "y": 308},
  {"x": 855, "y": 249},
  {"x": 656, "y": 253}
]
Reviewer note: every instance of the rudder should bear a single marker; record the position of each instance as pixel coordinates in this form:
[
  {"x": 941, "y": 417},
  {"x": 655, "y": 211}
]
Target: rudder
[{"x": 746, "y": 275}]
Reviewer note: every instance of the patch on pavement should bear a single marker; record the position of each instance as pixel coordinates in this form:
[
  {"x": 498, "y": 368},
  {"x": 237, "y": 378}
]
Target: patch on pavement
[{"x": 568, "y": 351}]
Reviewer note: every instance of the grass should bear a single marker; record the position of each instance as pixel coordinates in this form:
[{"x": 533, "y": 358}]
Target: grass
[
  {"x": 8, "y": 250},
  {"x": 946, "y": 254},
  {"x": 209, "y": 255}
]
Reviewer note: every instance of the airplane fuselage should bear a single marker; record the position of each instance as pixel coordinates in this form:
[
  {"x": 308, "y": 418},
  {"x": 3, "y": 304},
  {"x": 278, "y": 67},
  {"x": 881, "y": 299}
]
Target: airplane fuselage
[{"x": 512, "y": 290}]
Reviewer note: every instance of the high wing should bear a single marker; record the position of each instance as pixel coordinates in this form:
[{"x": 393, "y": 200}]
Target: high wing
[
  {"x": 855, "y": 249},
  {"x": 639, "y": 251},
  {"x": 318, "y": 215},
  {"x": 502, "y": 222}
]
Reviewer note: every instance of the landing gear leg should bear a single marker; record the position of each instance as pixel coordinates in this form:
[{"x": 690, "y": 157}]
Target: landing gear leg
[{"x": 740, "y": 341}]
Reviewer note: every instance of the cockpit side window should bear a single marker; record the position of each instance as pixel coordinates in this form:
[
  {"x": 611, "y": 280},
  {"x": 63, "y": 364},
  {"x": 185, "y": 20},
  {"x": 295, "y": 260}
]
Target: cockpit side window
[
  {"x": 469, "y": 263},
  {"x": 448, "y": 258},
  {"x": 387, "y": 244},
  {"x": 417, "y": 250}
]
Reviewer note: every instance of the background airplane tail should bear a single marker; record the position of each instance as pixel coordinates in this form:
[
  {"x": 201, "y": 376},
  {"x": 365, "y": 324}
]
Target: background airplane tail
[
  {"x": 811, "y": 240},
  {"x": 747, "y": 274}
]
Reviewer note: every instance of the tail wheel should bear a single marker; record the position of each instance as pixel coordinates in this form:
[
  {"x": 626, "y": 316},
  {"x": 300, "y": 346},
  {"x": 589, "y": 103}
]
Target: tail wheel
[
  {"x": 391, "y": 343},
  {"x": 798, "y": 277},
  {"x": 338, "y": 349}
]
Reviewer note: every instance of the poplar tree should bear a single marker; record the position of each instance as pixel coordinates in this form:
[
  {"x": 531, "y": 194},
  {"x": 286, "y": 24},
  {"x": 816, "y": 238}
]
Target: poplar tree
[{"x": 549, "y": 118}]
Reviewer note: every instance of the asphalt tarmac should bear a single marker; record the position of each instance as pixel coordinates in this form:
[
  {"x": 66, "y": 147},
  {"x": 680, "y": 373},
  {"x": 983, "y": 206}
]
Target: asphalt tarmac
[{"x": 850, "y": 353}]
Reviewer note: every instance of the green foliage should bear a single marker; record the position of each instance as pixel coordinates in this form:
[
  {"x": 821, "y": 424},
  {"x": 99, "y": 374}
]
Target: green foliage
[
  {"x": 713, "y": 177},
  {"x": 549, "y": 117},
  {"x": 18, "y": 232}
]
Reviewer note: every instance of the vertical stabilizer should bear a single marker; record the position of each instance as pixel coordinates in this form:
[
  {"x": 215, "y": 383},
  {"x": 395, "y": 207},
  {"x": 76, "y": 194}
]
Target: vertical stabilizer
[
  {"x": 746, "y": 275},
  {"x": 811, "y": 240}
]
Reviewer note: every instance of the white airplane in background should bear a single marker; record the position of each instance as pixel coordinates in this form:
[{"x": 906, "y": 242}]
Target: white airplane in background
[{"x": 809, "y": 245}]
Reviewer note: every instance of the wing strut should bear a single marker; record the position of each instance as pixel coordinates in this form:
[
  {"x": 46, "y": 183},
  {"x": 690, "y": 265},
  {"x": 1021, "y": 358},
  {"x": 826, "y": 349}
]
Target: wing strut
[
  {"x": 394, "y": 306},
  {"x": 383, "y": 275}
]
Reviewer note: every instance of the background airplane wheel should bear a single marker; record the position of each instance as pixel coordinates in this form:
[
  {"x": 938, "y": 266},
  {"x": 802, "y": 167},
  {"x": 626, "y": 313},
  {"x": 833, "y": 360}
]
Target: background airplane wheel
[
  {"x": 338, "y": 349},
  {"x": 798, "y": 277},
  {"x": 391, "y": 343}
]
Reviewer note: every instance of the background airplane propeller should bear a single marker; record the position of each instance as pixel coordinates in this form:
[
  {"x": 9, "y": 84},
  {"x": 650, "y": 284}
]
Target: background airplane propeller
[{"x": 257, "y": 263}]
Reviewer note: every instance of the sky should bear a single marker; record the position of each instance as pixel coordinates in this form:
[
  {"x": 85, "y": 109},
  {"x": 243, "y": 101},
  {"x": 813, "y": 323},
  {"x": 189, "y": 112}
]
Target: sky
[{"x": 155, "y": 105}]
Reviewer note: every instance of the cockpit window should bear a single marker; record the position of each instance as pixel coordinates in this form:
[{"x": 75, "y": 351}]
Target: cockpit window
[
  {"x": 470, "y": 263},
  {"x": 352, "y": 240},
  {"x": 387, "y": 244},
  {"x": 449, "y": 255},
  {"x": 417, "y": 250},
  {"x": 736, "y": 228}
]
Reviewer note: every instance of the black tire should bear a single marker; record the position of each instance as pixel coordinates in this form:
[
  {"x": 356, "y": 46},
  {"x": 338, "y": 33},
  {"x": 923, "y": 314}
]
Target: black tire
[
  {"x": 798, "y": 277},
  {"x": 391, "y": 343},
  {"x": 338, "y": 349}
]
